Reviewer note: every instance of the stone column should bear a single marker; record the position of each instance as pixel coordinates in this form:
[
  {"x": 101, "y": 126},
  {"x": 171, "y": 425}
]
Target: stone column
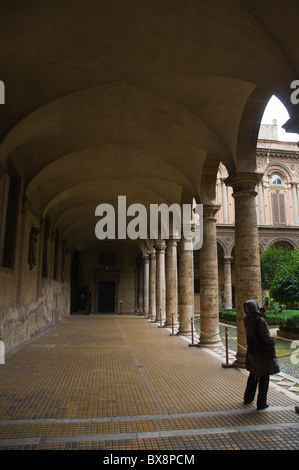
[
  {"x": 185, "y": 287},
  {"x": 152, "y": 285},
  {"x": 209, "y": 298},
  {"x": 140, "y": 287},
  {"x": 228, "y": 302},
  {"x": 145, "y": 284},
  {"x": 160, "y": 281},
  {"x": 247, "y": 253},
  {"x": 171, "y": 283}
]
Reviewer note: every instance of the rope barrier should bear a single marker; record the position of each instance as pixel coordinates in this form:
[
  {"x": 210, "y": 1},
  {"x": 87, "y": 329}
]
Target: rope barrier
[
  {"x": 277, "y": 357},
  {"x": 227, "y": 335},
  {"x": 207, "y": 334}
]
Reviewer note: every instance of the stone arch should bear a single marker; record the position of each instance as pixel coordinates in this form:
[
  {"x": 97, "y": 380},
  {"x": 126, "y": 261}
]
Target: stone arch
[
  {"x": 282, "y": 242},
  {"x": 249, "y": 129},
  {"x": 220, "y": 243},
  {"x": 209, "y": 178},
  {"x": 279, "y": 168}
]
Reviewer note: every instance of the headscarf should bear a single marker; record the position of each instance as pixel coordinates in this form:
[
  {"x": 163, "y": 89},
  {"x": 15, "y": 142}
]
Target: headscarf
[{"x": 251, "y": 306}]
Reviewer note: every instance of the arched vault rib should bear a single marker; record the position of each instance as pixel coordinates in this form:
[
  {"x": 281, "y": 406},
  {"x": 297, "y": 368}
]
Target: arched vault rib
[
  {"x": 119, "y": 113},
  {"x": 206, "y": 37},
  {"x": 135, "y": 191},
  {"x": 106, "y": 161}
]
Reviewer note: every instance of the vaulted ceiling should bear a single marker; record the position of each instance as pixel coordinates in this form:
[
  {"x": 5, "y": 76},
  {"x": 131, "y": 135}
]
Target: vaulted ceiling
[{"x": 141, "y": 98}]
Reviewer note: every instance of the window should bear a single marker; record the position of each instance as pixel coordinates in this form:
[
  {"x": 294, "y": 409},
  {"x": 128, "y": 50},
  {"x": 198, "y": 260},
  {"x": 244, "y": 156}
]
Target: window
[
  {"x": 56, "y": 256},
  {"x": 9, "y": 221},
  {"x": 276, "y": 179},
  {"x": 45, "y": 248},
  {"x": 278, "y": 209}
]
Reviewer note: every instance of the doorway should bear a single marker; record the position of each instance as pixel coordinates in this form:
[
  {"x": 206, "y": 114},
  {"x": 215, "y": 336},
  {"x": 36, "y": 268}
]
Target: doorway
[{"x": 106, "y": 296}]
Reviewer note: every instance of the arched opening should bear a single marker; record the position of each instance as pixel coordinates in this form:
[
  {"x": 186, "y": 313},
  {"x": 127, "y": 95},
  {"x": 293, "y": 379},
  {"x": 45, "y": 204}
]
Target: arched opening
[
  {"x": 282, "y": 245},
  {"x": 274, "y": 117}
]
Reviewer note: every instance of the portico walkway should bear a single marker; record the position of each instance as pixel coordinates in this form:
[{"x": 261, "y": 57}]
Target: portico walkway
[{"x": 120, "y": 382}]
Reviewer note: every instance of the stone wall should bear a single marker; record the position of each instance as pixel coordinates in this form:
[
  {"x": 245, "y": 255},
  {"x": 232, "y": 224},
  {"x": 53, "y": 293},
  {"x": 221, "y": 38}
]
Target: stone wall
[
  {"x": 29, "y": 301},
  {"x": 121, "y": 268},
  {"x": 22, "y": 322}
]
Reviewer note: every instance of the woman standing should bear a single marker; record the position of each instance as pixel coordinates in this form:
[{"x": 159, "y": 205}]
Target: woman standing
[{"x": 261, "y": 359}]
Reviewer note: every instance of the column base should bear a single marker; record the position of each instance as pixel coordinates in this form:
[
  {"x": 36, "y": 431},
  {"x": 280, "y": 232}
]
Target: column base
[
  {"x": 210, "y": 344},
  {"x": 169, "y": 325},
  {"x": 151, "y": 315},
  {"x": 160, "y": 321},
  {"x": 183, "y": 333},
  {"x": 240, "y": 361},
  {"x": 174, "y": 328}
]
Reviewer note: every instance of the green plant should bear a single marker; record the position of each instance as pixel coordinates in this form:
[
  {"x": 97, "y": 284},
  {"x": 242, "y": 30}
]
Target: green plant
[
  {"x": 271, "y": 260},
  {"x": 284, "y": 285},
  {"x": 290, "y": 324},
  {"x": 230, "y": 315}
]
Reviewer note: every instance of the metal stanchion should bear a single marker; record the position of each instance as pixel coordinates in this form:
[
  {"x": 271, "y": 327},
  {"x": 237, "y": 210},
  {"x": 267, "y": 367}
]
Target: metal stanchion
[
  {"x": 161, "y": 319},
  {"x": 172, "y": 325},
  {"x": 227, "y": 364},
  {"x": 192, "y": 334},
  {"x": 152, "y": 316}
]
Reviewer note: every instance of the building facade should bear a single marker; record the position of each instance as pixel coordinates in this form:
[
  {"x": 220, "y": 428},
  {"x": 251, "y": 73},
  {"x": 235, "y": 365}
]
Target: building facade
[{"x": 277, "y": 205}]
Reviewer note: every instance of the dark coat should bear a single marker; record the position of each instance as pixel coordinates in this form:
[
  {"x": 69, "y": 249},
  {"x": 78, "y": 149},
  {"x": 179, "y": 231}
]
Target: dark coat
[{"x": 259, "y": 342}]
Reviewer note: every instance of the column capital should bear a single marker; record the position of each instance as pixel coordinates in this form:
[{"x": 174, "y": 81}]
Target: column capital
[
  {"x": 172, "y": 241},
  {"x": 152, "y": 254},
  {"x": 145, "y": 258},
  {"x": 244, "y": 182},
  {"x": 228, "y": 259},
  {"x": 210, "y": 211},
  {"x": 160, "y": 245}
]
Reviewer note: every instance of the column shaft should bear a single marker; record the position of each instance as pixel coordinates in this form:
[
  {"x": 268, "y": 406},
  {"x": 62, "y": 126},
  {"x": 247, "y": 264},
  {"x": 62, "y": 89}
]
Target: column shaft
[
  {"x": 171, "y": 283},
  {"x": 247, "y": 254},
  {"x": 228, "y": 303},
  {"x": 185, "y": 287},
  {"x": 160, "y": 281},
  {"x": 140, "y": 288},
  {"x": 145, "y": 284},
  {"x": 209, "y": 299},
  {"x": 152, "y": 285}
]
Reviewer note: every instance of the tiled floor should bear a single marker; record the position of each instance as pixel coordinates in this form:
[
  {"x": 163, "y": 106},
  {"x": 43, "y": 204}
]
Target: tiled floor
[{"x": 120, "y": 382}]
